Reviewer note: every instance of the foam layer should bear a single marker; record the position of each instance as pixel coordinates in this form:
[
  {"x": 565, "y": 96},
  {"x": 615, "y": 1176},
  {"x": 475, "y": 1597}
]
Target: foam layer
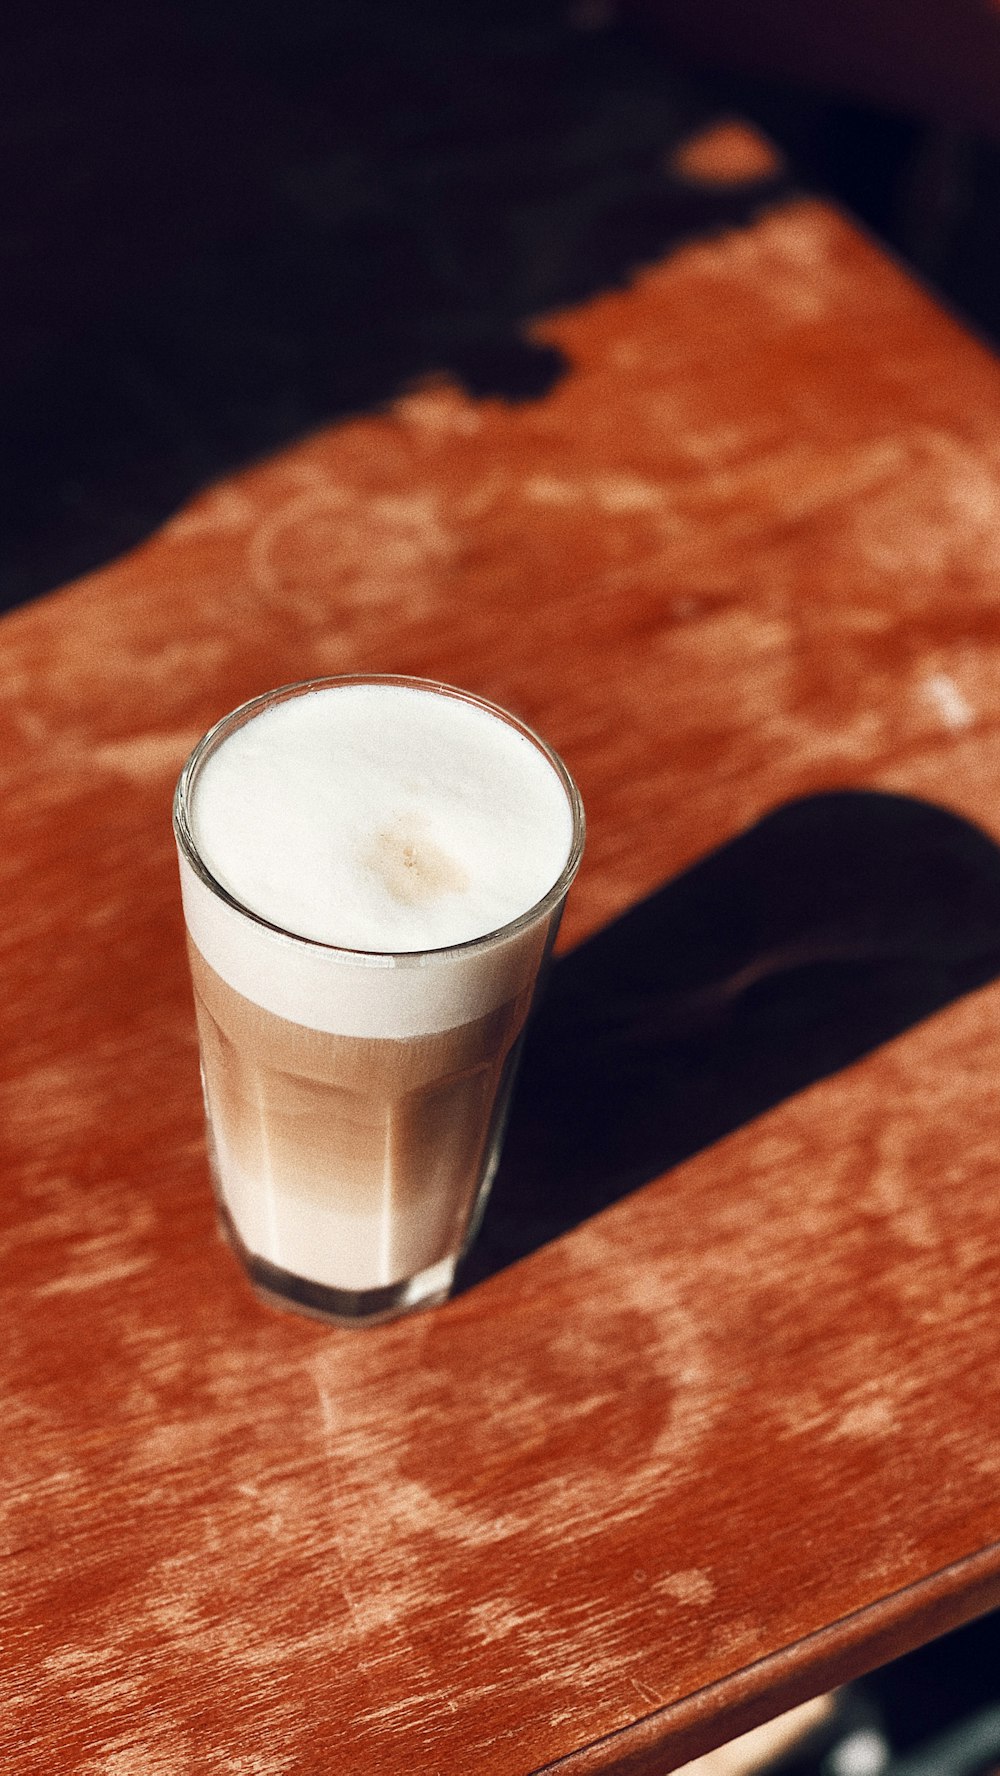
[{"x": 391, "y": 821}]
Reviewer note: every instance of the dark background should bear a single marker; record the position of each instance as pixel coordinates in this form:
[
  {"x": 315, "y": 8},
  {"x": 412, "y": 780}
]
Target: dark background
[{"x": 225, "y": 222}]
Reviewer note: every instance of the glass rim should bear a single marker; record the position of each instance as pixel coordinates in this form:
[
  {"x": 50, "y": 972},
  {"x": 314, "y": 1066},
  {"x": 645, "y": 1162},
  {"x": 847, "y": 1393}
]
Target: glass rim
[{"x": 246, "y": 712}]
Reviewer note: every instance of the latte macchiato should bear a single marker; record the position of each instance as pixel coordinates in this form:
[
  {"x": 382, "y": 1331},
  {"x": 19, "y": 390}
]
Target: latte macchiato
[{"x": 372, "y": 871}]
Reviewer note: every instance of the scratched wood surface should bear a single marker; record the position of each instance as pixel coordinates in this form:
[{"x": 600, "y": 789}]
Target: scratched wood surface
[{"x": 721, "y": 1446}]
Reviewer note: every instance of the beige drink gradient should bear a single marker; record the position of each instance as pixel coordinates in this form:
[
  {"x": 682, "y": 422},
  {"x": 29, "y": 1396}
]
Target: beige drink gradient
[{"x": 355, "y": 1101}]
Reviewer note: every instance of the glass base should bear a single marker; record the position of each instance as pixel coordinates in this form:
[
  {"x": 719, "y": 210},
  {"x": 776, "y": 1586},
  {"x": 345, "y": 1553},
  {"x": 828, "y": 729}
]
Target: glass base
[{"x": 344, "y": 1307}]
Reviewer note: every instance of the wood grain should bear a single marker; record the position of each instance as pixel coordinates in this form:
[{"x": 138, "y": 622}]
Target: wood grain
[{"x": 730, "y": 1441}]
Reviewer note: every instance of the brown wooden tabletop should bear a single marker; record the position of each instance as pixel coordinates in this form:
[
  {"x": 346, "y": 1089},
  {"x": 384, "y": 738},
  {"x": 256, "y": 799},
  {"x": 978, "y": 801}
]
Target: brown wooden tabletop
[{"x": 729, "y": 1441}]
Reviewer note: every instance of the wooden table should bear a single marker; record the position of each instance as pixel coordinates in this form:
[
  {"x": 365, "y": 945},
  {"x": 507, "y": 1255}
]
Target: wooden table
[{"x": 730, "y": 1441}]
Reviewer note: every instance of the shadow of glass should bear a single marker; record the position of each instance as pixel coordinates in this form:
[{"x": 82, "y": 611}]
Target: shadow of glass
[{"x": 833, "y": 925}]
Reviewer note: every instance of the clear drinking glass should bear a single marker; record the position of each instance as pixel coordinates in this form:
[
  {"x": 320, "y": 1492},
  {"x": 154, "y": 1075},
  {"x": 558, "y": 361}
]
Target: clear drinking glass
[{"x": 355, "y": 1100}]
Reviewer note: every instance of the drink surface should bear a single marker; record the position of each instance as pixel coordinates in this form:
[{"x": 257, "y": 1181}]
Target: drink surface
[{"x": 382, "y": 817}]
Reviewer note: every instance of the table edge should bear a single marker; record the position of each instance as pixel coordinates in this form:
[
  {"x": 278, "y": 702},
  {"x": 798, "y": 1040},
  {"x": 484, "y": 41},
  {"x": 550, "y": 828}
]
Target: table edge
[{"x": 846, "y": 1649}]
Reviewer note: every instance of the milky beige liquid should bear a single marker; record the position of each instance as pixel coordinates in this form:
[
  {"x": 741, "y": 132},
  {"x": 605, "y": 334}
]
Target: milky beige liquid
[{"x": 352, "y": 1160}]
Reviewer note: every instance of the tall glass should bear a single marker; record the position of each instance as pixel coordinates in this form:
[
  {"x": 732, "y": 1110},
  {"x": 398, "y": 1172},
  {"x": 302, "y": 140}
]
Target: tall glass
[{"x": 355, "y": 1100}]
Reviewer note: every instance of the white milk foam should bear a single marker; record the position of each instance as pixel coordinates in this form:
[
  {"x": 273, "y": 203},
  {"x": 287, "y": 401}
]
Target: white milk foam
[{"x": 382, "y": 818}]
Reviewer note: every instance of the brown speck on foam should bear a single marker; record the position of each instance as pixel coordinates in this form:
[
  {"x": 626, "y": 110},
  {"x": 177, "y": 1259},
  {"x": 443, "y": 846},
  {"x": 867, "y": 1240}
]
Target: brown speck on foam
[{"x": 410, "y": 866}]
